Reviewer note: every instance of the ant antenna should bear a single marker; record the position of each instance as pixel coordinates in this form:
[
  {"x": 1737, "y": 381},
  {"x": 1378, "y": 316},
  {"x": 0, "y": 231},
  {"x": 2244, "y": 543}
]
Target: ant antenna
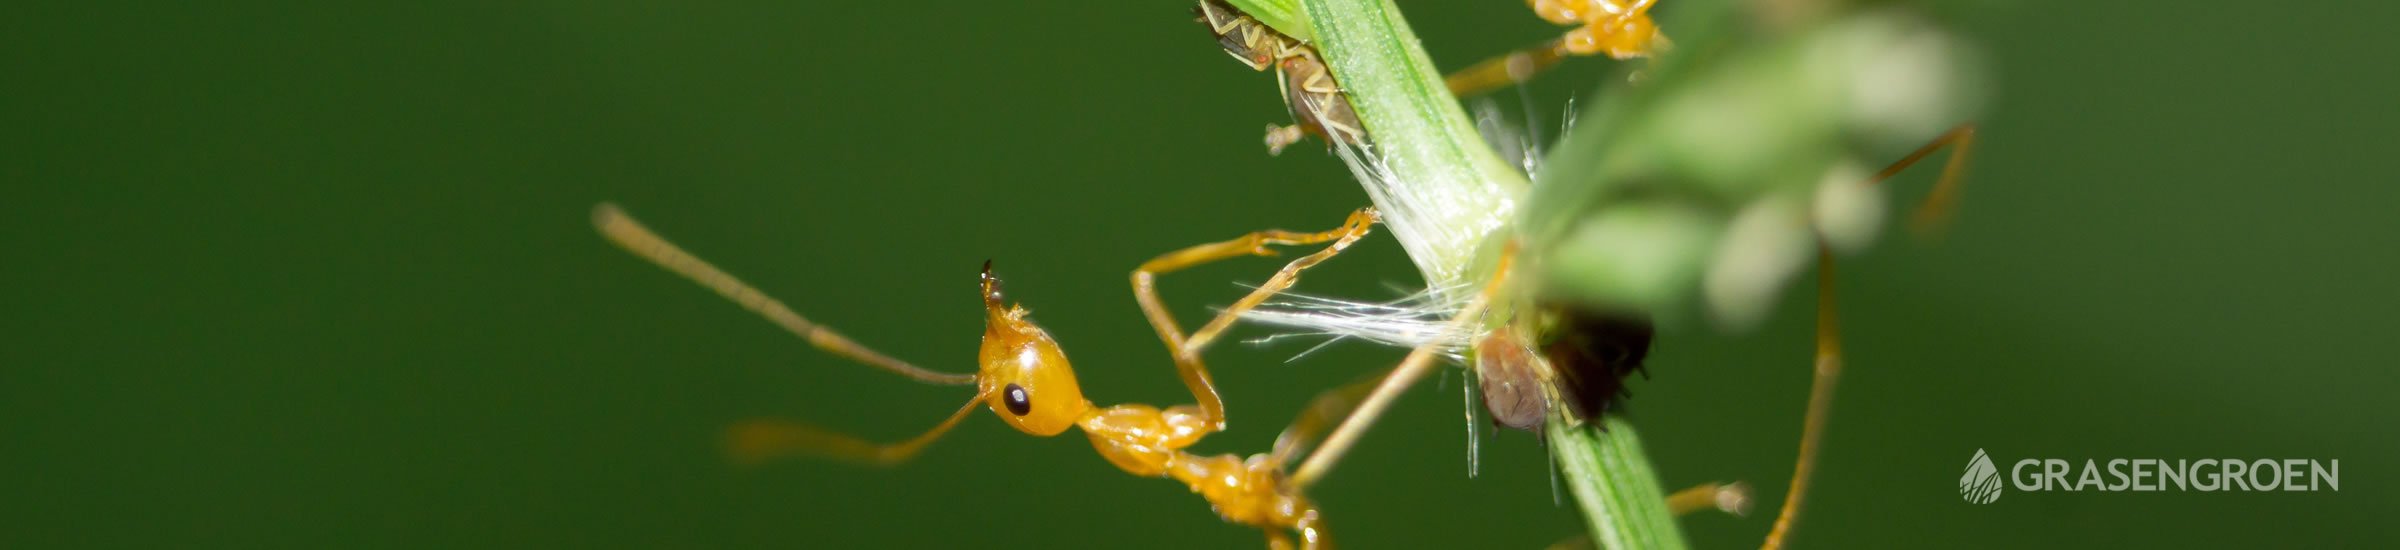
[{"x": 629, "y": 234}]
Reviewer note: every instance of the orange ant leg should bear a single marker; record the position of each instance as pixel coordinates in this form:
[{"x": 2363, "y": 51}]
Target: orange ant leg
[
  {"x": 629, "y": 234},
  {"x": 1322, "y": 412},
  {"x": 1820, "y": 400},
  {"x": 1621, "y": 30},
  {"x": 1509, "y": 69},
  {"x": 1187, "y": 356},
  {"x": 1312, "y": 536},
  {"x": 1936, "y": 207},
  {"x": 757, "y": 441},
  {"x": 1356, "y": 227},
  {"x": 1413, "y": 368},
  {"x": 1942, "y": 202},
  {"x": 1731, "y": 498}
]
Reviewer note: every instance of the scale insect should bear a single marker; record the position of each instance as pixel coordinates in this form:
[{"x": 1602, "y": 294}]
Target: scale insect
[
  {"x": 1310, "y": 93},
  {"x": 1024, "y": 378}
]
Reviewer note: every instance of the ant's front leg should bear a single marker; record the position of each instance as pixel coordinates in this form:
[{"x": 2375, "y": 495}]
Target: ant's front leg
[{"x": 1187, "y": 349}]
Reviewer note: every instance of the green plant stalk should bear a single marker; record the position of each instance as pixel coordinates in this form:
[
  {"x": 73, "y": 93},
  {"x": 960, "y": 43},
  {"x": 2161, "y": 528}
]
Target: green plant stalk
[
  {"x": 1444, "y": 193},
  {"x": 1441, "y": 188},
  {"x": 1612, "y": 480}
]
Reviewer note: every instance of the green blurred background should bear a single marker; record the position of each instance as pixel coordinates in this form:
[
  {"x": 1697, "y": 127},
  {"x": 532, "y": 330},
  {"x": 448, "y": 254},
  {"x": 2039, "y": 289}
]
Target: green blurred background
[{"x": 304, "y": 275}]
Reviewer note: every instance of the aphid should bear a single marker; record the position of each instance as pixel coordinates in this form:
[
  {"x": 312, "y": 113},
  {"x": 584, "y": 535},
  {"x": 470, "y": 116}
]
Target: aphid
[
  {"x": 1024, "y": 378},
  {"x": 1319, "y": 108},
  {"x": 1620, "y": 29}
]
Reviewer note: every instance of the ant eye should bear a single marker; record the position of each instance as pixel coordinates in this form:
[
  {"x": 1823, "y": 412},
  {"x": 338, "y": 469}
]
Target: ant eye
[{"x": 1017, "y": 401}]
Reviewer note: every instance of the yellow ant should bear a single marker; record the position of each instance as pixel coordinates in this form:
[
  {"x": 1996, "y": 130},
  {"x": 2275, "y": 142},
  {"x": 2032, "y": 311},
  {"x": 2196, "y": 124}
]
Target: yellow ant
[
  {"x": 1620, "y": 29},
  {"x": 1024, "y": 378}
]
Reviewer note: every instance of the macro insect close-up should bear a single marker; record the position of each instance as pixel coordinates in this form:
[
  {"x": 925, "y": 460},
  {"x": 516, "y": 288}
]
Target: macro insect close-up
[{"x": 1496, "y": 274}]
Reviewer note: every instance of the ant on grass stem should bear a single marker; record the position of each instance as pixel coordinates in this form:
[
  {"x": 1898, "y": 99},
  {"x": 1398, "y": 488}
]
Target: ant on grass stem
[{"x": 1024, "y": 378}]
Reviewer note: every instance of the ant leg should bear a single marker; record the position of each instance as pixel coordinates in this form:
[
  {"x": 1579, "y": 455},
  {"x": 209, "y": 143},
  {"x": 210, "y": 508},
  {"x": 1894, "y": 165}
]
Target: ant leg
[
  {"x": 629, "y": 234},
  {"x": 755, "y": 441},
  {"x": 1187, "y": 351},
  {"x": 1620, "y": 31},
  {"x": 1510, "y": 69},
  {"x": 1731, "y": 498},
  {"x": 1312, "y": 532},
  {"x": 1829, "y": 343},
  {"x": 1938, "y": 205},
  {"x": 1322, "y": 412},
  {"x": 1355, "y": 228},
  {"x": 1411, "y": 369},
  {"x": 1820, "y": 399}
]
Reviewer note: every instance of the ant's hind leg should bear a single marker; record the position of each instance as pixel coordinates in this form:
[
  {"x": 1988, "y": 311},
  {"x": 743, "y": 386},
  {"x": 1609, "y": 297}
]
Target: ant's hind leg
[
  {"x": 1935, "y": 209},
  {"x": 1820, "y": 400},
  {"x": 1187, "y": 349}
]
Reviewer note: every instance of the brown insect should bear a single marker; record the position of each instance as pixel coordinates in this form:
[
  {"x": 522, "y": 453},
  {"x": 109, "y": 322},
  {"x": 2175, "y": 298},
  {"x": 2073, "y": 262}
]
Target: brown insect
[
  {"x": 1571, "y": 356},
  {"x": 1316, "y": 101}
]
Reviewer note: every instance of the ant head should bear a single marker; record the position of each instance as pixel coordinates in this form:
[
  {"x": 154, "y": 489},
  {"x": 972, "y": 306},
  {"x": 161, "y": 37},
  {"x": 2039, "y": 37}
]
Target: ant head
[{"x": 1024, "y": 377}]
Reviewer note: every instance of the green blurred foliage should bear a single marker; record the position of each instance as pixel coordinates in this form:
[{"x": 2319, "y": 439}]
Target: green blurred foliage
[{"x": 306, "y": 275}]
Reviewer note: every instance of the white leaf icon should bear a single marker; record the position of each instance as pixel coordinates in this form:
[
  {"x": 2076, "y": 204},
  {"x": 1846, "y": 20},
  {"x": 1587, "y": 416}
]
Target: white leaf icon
[{"x": 1981, "y": 484}]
